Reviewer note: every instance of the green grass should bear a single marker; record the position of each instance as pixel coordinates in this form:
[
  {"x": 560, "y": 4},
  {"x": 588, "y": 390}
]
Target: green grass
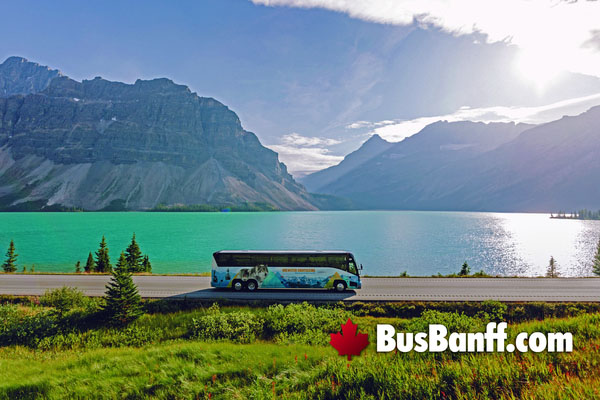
[
  {"x": 171, "y": 370},
  {"x": 168, "y": 354},
  {"x": 193, "y": 369}
]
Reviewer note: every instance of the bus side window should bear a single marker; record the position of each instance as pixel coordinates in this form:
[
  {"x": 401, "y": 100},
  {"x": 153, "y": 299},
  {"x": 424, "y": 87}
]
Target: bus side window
[
  {"x": 338, "y": 262},
  {"x": 318, "y": 261},
  {"x": 279, "y": 260}
]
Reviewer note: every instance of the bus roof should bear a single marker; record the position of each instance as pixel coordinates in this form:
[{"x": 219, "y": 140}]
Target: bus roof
[{"x": 282, "y": 252}]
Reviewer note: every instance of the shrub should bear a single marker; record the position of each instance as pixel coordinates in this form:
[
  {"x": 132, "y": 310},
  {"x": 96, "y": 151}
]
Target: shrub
[
  {"x": 455, "y": 322},
  {"x": 9, "y": 317},
  {"x": 303, "y": 323},
  {"x": 492, "y": 310},
  {"x": 133, "y": 335},
  {"x": 29, "y": 330},
  {"x": 63, "y": 299},
  {"x": 240, "y": 327}
]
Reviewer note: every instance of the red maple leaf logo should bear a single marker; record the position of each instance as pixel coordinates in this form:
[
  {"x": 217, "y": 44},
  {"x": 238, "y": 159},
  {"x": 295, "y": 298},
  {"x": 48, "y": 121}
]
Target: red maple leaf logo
[{"x": 349, "y": 342}]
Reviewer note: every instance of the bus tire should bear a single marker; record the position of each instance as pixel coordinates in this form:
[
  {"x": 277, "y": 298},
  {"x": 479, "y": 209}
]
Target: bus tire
[
  {"x": 339, "y": 286},
  {"x": 237, "y": 285},
  {"x": 251, "y": 285}
]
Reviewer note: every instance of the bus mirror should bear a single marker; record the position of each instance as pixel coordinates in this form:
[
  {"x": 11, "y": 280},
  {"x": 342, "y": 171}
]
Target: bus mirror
[{"x": 361, "y": 267}]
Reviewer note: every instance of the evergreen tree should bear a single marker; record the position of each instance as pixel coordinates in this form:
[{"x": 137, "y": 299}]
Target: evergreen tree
[
  {"x": 11, "y": 259},
  {"x": 102, "y": 258},
  {"x": 465, "y": 270},
  {"x": 146, "y": 266},
  {"x": 552, "y": 272},
  {"x": 134, "y": 256},
  {"x": 78, "y": 267},
  {"x": 24, "y": 269},
  {"x": 596, "y": 266},
  {"x": 90, "y": 265},
  {"x": 123, "y": 302}
]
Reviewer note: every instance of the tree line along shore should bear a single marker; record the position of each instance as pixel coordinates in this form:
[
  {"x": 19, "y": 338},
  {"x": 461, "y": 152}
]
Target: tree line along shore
[
  {"x": 138, "y": 263},
  {"x": 583, "y": 214},
  {"x": 135, "y": 260}
]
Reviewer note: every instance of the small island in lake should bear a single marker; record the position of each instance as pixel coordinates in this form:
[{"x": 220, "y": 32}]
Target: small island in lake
[{"x": 581, "y": 214}]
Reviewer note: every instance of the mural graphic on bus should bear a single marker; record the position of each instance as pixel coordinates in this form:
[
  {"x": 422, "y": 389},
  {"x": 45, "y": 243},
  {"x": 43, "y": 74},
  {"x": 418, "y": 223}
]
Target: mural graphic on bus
[{"x": 316, "y": 269}]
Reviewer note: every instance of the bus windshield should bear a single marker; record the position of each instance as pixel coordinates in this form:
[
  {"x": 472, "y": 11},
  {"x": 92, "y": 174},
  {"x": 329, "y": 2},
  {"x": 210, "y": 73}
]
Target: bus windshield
[{"x": 352, "y": 267}]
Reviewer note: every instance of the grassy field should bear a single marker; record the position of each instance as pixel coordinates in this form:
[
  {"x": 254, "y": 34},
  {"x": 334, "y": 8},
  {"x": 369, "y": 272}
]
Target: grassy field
[{"x": 242, "y": 352}]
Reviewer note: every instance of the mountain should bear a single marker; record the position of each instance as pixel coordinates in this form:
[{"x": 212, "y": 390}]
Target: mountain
[
  {"x": 98, "y": 144},
  {"x": 414, "y": 173},
  {"x": 318, "y": 181},
  {"x": 555, "y": 166},
  {"x": 19, "y": 76}
]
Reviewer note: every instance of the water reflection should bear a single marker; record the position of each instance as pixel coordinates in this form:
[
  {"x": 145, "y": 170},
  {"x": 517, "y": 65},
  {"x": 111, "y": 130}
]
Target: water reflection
[{"x": 535, "y": 238}]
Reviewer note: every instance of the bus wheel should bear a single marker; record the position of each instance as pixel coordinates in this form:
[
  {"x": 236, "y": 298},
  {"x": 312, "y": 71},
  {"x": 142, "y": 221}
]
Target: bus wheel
[
  {"x": 251, "y": 285},
  {"x": 238, "y": 285},
  {"x": 339, "y": 286}
]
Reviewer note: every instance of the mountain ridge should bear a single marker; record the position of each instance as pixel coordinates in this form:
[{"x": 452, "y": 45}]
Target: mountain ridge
[{"x": 467, "y": 166}]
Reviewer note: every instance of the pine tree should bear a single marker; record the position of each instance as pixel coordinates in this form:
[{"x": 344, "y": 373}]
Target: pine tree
[
  {"x": 90, "y": 265},
  {"x": 465, "y": 270},
  {"x": 102, "y": 258},
  {"x": 123, "y": 302},
  {"x": 78, "y": 267},
  {"x": 11, "y": 259},
  {"x": 134, "y": 256},
  {"x": 146, "y": 266},
  {"x": 552, "y": 272},
  {"x": 596, "y": 266}
]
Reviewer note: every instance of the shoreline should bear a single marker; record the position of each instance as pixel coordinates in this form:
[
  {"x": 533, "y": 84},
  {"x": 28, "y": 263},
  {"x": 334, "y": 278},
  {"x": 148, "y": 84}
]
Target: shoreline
[{"x": 208, "y": 274}]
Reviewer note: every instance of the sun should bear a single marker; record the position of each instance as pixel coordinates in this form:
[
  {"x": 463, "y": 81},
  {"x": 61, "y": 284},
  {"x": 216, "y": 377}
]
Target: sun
[{"x": 539, "y": 68}]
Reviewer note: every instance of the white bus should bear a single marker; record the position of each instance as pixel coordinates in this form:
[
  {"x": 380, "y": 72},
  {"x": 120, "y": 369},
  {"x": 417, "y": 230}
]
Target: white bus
[{"x": 250, "y": 270}]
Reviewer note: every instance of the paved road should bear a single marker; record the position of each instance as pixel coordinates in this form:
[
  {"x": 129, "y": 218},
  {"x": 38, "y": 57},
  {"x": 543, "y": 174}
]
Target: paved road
[{"x": 374, "y": 289}]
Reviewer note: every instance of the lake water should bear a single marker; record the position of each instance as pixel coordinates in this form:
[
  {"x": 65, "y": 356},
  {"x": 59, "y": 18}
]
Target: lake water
[{"x": 385, "y": 242}]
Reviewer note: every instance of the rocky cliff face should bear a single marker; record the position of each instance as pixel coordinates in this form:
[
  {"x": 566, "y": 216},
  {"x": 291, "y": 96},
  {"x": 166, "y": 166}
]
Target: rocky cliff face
[{"x": 96, "y": 143}]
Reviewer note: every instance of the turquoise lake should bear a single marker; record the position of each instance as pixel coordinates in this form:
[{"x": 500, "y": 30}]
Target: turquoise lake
[{"x": 385, "y": 242}]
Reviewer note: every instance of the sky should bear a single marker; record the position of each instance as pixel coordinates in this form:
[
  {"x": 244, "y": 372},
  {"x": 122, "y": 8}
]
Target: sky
[{"x": 313, "y": 79}]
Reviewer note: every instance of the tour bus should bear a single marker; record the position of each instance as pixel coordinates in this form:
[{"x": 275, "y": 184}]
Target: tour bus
[{"x": 250, "y": 270}]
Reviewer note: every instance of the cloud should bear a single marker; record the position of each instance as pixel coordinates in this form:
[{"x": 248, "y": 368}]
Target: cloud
[
  {"x": 295, "y": 139},
  {"x": 359, "y": 124},
  {"x": 304, "y": 155},
  {"x": 400, "y": 129},
  {"x": 367, "y": 124},
  {"x": 561, "y": 33},
  {"x": 594, "y": 41}
]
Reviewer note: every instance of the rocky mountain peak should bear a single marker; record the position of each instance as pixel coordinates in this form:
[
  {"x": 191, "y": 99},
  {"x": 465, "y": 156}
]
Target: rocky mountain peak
[{"x": 18, "y": 76}]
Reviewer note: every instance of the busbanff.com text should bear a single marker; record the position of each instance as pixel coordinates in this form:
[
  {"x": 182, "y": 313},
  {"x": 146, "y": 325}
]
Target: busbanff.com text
[{"x": 492, "y": 340}]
